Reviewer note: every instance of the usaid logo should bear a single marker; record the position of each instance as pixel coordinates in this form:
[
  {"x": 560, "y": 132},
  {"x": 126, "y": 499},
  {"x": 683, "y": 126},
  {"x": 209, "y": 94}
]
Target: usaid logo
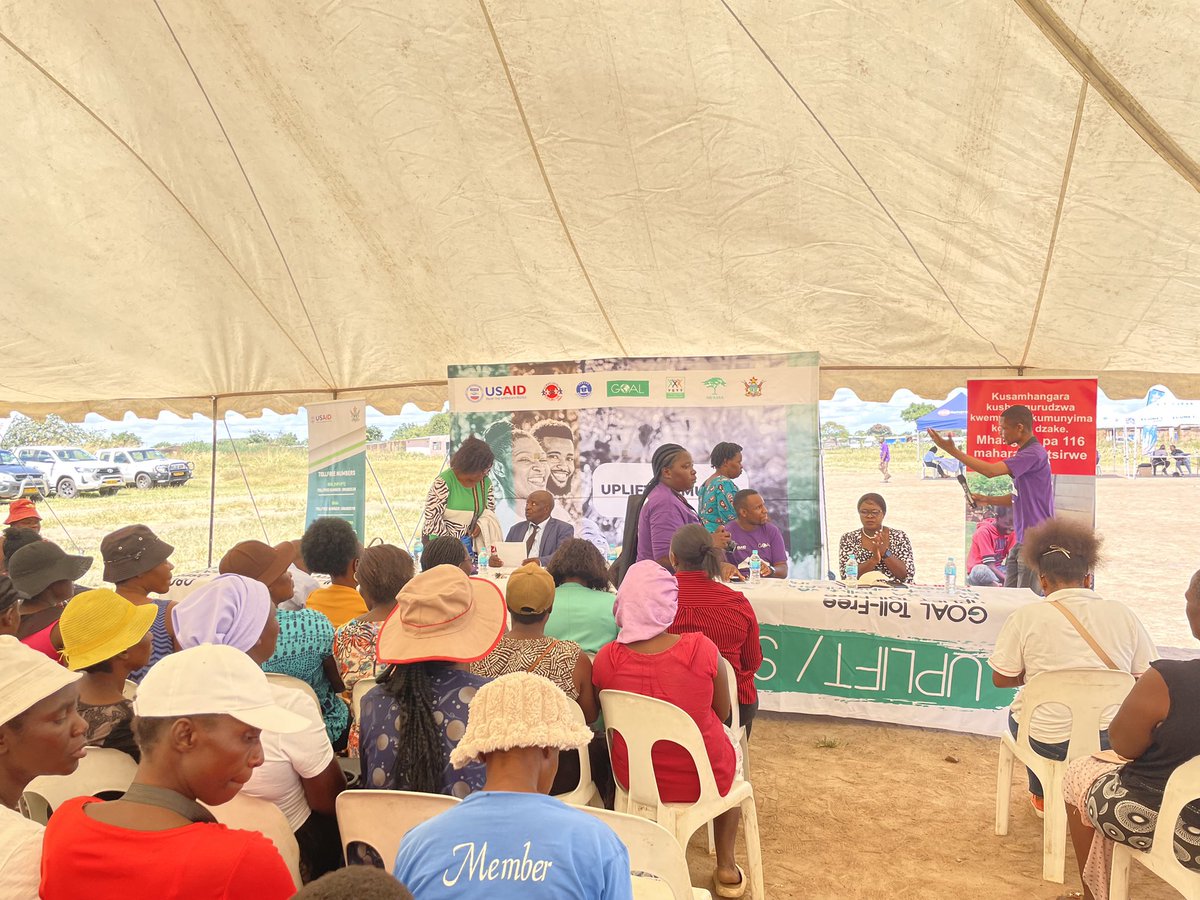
[
  {"x": 474, "y": 393},
  {"x": 323, "y": 417}
]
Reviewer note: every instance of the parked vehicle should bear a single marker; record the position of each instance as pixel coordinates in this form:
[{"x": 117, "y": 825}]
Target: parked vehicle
[
  {"x": 147, "y": 467},
  {"x": 69, "y": 471},
  {"x": 17, "y": 480}
]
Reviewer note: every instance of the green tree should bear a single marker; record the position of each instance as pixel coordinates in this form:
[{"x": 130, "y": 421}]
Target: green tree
[
  {"x": 23, "y": 431},
  {"x": 374, "y": 434},
  {"x": 879, "y": 430},
  {"x": 835, "y": 432},
  {"x": 439, "y": 423},
  {"x": 914, "y": 411},
  {"x": 118, "y": 439}
]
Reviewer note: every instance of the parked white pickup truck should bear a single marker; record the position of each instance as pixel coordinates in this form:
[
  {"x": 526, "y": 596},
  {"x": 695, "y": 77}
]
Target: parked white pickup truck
[
  {"x": 147, "y": 467},
  {"x": 70, "y": 471}
]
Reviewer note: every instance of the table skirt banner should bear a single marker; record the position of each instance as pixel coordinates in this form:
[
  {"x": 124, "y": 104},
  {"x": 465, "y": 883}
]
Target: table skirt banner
[
  {"x": 586, "y": 430},
  {"x": 910, "y": 656}
]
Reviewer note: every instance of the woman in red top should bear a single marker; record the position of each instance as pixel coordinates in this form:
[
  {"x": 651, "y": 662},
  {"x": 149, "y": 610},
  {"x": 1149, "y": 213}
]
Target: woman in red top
[
  {"x": 722, "y": 615},
  {"x": 680, "y": 669}
]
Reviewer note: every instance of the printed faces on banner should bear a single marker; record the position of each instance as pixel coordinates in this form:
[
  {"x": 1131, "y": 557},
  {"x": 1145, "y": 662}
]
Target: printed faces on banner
[{"x": 1064, "y": 419}]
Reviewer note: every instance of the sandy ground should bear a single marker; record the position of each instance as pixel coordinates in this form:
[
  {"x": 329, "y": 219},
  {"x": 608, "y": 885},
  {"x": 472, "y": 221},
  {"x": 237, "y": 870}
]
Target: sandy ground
[{"x": 854, "y": 810}]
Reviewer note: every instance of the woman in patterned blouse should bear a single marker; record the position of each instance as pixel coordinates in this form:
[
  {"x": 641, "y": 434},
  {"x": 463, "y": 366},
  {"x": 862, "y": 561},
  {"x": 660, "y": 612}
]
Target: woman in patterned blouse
[
  {"x": 876, "y": 547},
  {"x": 716, "y": 494}
]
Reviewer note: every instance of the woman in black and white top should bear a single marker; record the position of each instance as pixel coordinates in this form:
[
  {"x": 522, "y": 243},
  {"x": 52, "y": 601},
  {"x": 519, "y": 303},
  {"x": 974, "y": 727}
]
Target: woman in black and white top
[{"x": 875, "y": 546}]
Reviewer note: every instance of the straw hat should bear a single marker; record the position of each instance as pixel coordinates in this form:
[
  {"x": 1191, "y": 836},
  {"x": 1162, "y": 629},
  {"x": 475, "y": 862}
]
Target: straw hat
[
  {"x": 443, "y": 615},
  {"x": 27, "y": 677},
  {"x": 97, "y": 625},
  {"x": 519, "y": 709},
  {"x": 530, "y": 590}
]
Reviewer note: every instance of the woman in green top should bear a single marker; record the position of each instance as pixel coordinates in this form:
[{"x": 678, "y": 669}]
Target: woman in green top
[
  {"x": 461, "y": 494},
  {"x": 716, "y": 494},
  {"x": 583, "y": 601}
]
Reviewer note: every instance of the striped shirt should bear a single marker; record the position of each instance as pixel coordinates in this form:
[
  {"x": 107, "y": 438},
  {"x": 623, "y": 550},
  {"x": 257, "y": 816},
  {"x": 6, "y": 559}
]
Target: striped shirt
[{"x": 727, "y": 619}]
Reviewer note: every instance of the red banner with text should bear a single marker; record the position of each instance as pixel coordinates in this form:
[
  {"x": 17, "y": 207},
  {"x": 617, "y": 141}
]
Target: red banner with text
[{"x": 1064, "y": 419}]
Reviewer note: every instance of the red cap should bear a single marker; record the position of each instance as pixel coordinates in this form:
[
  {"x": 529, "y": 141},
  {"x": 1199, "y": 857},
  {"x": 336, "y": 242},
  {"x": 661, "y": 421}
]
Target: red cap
[{"x": 21, "y": 509}]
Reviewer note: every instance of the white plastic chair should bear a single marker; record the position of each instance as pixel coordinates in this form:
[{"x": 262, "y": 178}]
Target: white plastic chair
[
  {"x": 255, "y": 814},
  {"x": 654, "y": 856},
  {"x": 1088, "y": 693},
  {"x": 381, "y": 819},
  {"x": 1183, "y": 787},
  {"x": 295, "y": 684},
  {"x": 101, "y": 771},
  {"x": 644, "y": 721},
  {"x": 735, "y": 722},
  {"x": 357, "y": 693},
  {"x": 585, "y": 793},
  {"x": 129, "y": 691}
]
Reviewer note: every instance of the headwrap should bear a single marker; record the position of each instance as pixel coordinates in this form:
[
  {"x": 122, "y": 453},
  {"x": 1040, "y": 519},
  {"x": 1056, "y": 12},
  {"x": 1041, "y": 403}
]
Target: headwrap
[
  {"x": 662, "y": 458},
  {"x": 646, "y": 603},
  {"x": 230, "y": 610}
]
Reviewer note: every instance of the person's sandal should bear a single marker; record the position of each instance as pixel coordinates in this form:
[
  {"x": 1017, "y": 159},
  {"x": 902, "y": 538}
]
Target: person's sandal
[{"x": 723, "y": 889}]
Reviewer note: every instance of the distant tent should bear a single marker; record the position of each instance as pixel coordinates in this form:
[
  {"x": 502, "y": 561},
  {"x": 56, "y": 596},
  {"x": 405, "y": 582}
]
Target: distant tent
[{"x": 950, "y": 416}]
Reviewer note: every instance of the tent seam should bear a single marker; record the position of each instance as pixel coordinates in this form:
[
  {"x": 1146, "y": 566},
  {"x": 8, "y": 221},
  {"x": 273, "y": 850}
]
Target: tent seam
[
  {"x": 1058, "y": 212},
  {"x": 166, "y": 187},
  {"x": 874, "y": 196},
  {"x": 512, "y": 86},
  {"x": 253, "y": 193}
]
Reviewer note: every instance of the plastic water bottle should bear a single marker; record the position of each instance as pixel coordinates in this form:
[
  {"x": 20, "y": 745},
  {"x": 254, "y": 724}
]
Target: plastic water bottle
[
  {"x": 612, "y": 556},
  {"x": 852, "y": 569},
  {"x": 417, "y": 550},
  {"x": 951, "y": 574},
  {"x": 755, "y": 568},
  {"x": 482, "y": 564}
]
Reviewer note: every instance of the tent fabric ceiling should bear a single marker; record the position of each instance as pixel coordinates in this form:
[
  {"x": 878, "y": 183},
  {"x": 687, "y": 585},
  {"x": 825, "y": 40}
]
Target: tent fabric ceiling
[{"x": 273, "y": 203}]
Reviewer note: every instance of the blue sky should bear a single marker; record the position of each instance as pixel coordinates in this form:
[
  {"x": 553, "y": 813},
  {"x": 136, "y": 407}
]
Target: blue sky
[{"x": 844, "y": 408}]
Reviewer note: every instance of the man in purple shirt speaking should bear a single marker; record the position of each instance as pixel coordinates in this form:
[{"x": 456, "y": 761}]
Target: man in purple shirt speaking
[
  {"x": 1032, "y": 498},
  {"x": 752, "y": 531}
]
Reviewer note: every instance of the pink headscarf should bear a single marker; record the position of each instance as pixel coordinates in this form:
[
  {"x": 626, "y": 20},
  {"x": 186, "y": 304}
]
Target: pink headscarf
[
  {"x": 646, "y": 603},
  {"x": 230, "y": 609}
]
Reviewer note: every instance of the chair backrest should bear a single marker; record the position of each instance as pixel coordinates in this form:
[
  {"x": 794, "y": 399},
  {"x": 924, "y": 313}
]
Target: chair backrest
[
  {"x": 1087, "y": 692},
  {"x": 101, "y": 771},
  {"x": 584, "y": 790},
  {"x": 644, "y": 721},
  {"x": 130, "y": 689},
  {"x": 652, "y": 850},
  {"x": 294, "y": 684},
  {"x": 381, "y": 819},
  {"x": 255, "y": 814},
  {"x": 1183, "y": 787},
  {"x": 730, "y": 678},
  {"x": 357, "y": 693}
]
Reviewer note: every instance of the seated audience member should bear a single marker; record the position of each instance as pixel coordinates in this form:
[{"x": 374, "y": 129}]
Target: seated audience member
[
  {"x": 303, "y": 584},
  {"x": 382, "y": 572},
  {"x": 46, "y": 574},
  {"x": 877, "y": 547},
  {"x": 717, "y": 493},
  {"x": 331, "y": 547},
  {"x": 14, "y": 540},
  {"x": 200, "y": 713},
  {"x": 1182, "y": 460},
  {"x": 1043, "y": 636},
  {"x": 990, "y": 544},
  {"x": 442, "y": 552},
  {"x": 304, "y": 649},
  {"x": 355, "y": 883},
  {"x": 721, "y": 614},
  {"x": 10, "y": 607},
  {"x": 541, "y": 534},
  {"x": 752, "y": 531},
  {"x": 22, "y": 513},
  {"x": 583, "y": 601},
  {"x": 1155, "y": 729},
  {"x": 299, "y": 773},
  {"x": 138, "y": 563},
  {"x": 1158, "y": 457},
  {"x": 106, "y": 637},
  {"x": 40, "y": 734},
  {"x": 415, "y": 717},
  {"x": 537, "y": 846},
  {"x": 937, "y": 463},
  {"x": 680, "y": 669}
]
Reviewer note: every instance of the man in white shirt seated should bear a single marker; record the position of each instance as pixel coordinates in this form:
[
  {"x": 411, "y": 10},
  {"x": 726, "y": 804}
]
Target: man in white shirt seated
[
  {"x": 510, "y": 840},
  {"x": 541, "y": 534}
]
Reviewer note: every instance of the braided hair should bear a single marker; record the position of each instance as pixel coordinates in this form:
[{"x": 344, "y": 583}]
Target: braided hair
[
  {"x": 420, "y": 754},
  {"x": 662, "y": 459}
]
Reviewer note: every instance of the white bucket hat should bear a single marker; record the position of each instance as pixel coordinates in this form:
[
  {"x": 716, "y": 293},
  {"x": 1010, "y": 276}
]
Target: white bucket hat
[
  {"x": 213, "y": 679},
  {"x": 27, "y": 677}
]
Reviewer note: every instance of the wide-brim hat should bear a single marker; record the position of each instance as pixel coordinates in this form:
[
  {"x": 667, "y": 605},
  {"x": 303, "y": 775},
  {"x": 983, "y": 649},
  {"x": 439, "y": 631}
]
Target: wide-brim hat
[
  {"x": 97, "y": 625},
  {"x": 519, "y": 709},
  {"x": 257, "y": 560},
  {"x": 27, "y": 677},
  {"x": 20, "y": 510},
  {"x": 36, "y": 566},
  {"x": 131, "y": 551},
  {"x": 441, "y": 614}
]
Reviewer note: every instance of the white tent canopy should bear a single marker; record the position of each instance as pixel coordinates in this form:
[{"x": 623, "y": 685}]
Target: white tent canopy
[
  {"x": 1167, "y": 412},
  {"x": 271, "y": 203}
]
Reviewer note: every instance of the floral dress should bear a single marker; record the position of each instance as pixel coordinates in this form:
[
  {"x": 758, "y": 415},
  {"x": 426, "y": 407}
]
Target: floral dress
[
  {"x": 354, "y": 647},
  {"x": 716, "y": 502}
]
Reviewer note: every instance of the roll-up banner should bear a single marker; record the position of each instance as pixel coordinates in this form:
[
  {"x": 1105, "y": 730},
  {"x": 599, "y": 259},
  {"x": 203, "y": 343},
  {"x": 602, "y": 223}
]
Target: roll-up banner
[
  {"x": 585, "y": 431},
  {"x": 337, "y": 461}
]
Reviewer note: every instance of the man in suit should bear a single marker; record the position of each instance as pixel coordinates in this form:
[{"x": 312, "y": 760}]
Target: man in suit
[{"x": 542, "y": 535}]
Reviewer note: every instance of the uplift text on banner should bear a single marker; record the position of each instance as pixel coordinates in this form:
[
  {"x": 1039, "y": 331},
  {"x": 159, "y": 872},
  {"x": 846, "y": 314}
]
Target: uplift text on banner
[
  {"x": 337, "y": 461},
  {"x": 585, "y": 431}
]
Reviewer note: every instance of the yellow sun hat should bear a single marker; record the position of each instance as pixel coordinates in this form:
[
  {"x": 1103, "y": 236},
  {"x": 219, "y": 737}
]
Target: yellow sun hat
[{"x": 97, "y": 625}]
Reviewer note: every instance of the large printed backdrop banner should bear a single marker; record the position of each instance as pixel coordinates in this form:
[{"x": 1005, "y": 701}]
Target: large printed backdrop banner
[
  {"x": 337, "y": 461},
  {"x": 586, "y": 430}
]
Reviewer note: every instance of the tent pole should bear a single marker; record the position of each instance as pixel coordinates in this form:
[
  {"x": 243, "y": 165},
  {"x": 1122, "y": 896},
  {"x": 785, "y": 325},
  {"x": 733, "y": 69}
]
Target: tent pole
[{"x": 212, "y": 484}]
